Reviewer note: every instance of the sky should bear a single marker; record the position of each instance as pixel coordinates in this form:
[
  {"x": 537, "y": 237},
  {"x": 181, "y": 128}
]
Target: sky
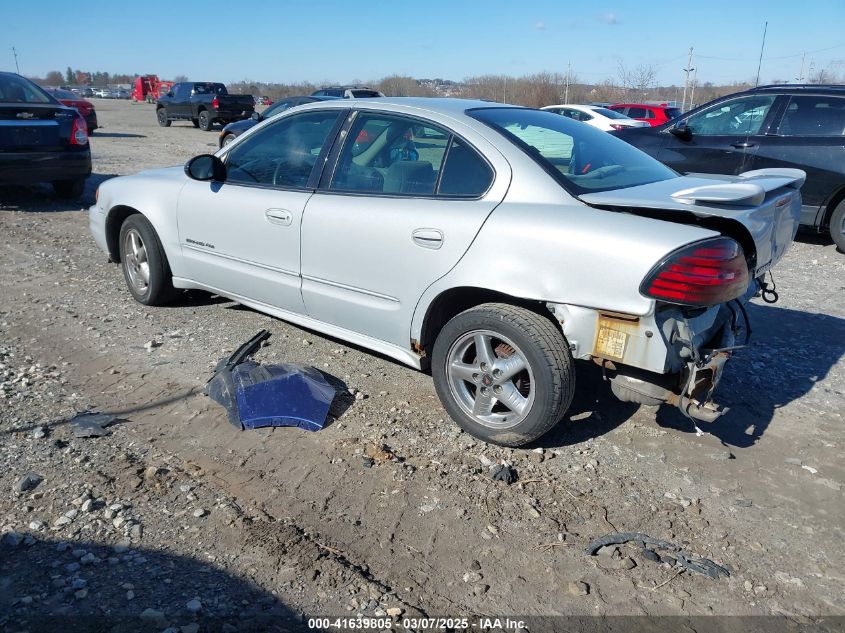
[{"x": 335, "y": 41}]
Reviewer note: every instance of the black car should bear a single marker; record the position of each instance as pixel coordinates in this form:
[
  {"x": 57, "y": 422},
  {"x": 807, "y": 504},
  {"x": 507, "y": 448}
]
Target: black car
[
  {"x": 233, "y": 130},
  {"x": 800, "y": 126},
  {"x": 41, "y": 140}
]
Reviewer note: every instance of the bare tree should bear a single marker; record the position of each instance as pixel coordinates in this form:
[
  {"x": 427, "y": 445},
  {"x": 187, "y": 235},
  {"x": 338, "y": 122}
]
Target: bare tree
[
  {"x": 402, "y": 86},
  {"x": 180, "y": 78},
  {"x": 54, "y": 78},
  {"x": 637, "y": 81}
]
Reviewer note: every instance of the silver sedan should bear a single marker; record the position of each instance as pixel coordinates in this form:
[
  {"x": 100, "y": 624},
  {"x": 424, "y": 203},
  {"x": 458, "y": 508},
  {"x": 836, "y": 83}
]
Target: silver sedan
[{"x": 491, "y": 244}]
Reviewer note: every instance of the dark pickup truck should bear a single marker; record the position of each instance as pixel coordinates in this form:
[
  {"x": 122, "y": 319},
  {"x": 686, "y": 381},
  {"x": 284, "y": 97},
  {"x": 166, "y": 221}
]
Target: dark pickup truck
[{"x": 202, "y": 103}]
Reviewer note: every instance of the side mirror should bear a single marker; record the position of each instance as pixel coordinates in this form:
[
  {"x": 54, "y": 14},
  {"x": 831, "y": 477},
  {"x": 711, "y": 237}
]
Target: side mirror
[
  {"x": 256, "y": 116},
  {"x": 205, "y": 167},
  {"x": 681, "y": 130}
]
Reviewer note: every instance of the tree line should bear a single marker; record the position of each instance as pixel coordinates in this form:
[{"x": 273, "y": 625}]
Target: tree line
[{"x": 631, "y": 84}]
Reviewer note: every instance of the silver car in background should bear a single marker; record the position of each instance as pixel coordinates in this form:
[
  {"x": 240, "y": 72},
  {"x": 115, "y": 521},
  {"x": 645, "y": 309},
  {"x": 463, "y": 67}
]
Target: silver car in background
[{"x": 491, "y": 244}]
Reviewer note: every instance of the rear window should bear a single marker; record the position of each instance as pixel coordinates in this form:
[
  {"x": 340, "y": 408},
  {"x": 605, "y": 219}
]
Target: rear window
[
  {"x": 583, "y": 159},
  {"x": 364, "y": 94},
  {"x": 14, "y": 89},
  {"x": 64, "y": 94},
  {"x": 610, "y": 114},
  {"x": 209, "y": 89}
]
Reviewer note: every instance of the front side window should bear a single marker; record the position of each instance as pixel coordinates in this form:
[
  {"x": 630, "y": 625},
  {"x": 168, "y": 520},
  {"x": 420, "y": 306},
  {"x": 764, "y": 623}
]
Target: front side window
[
  {"x": 813, "y": 116},
  {"x": 583, "y": 159},
  {"x": 390, "y": 154},
  {"x": 282, "y": 154},
  {"x": 737, "y": 117}
]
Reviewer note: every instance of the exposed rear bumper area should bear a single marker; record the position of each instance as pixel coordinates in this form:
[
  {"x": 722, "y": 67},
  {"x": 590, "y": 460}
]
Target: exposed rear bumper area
[
  {"x": 673, "y": 355},
  {"x": 26, "y": 168}
]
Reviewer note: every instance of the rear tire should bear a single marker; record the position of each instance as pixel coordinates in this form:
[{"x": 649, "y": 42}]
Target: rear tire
[
  {"x": 144, "y": 263},
  {"x": 837, "y": 226},
  {"x": 161, "y": 115},
  {"x": 530, "y": 365},
  {"x": 205, "y": 121},
  {"x": 69, "y": 188}
]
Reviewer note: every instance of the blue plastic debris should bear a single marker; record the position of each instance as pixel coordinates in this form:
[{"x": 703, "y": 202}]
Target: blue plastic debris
[{"x": 256, "y": 395}]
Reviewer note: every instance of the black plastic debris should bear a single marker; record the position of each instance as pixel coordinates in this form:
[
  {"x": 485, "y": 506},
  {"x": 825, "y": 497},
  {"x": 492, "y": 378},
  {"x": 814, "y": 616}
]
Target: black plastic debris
[
  {"x": 92, "y": 424},
  {"x": 703, "y": 566},
  {"x": 503, "y": 472},
  {"x": 257, "y": 395}
]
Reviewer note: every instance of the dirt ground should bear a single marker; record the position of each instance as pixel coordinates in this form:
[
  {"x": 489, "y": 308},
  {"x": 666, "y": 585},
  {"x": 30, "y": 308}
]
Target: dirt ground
[{"x": 176, "y": 519}]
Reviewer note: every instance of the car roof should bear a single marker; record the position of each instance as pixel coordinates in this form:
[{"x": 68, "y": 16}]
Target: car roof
[
  {"x": 438, "y": 105},
  {"x": 831, "y": 88}
]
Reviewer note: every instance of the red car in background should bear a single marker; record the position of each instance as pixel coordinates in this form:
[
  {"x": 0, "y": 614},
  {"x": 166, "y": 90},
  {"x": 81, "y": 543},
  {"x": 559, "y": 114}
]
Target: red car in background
[
  {"x": 83, "y": 106},
  {"x": 651, "y": 114}
]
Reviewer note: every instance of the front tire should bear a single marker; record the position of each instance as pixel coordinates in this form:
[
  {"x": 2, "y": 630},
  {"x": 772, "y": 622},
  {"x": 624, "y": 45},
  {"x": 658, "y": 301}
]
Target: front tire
[
  {"x": 503, "y": 373},
  {"x": 228, "y": 139},
  {"x": 837, "y": 226},
  {"x": 161, "y": 115},
  {"x": 205, "y": 121},
  {"x": 144, "y": 263}
]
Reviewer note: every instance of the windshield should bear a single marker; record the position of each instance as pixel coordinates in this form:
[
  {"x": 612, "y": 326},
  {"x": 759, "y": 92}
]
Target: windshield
[
  {"x": 581, "y": 158},
  {"x": 14, "y": 89}
]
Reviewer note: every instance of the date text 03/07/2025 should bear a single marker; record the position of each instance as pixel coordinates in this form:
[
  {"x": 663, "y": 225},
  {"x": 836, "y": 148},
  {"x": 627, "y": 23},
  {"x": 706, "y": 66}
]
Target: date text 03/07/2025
[{"x": 434, "y": 624}]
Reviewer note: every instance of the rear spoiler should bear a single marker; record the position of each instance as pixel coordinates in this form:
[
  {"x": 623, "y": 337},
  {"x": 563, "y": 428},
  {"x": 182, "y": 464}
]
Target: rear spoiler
[{"x": 750, "y": 188}]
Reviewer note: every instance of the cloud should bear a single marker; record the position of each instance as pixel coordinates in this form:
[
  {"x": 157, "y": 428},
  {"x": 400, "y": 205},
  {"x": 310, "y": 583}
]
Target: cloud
[
  {"x": 540, "y": 26},
  {"x": 609, "y": 17}
]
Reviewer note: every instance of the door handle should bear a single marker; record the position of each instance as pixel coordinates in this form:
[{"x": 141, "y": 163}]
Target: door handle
[
  {"x": 279, "y": 216},
  {"x": 743, "y": 144},
  {"x": 428, "y": 238}
]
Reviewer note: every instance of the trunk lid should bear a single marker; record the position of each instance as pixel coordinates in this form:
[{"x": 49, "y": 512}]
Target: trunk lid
[
  {"x": 765, "y": 202},
  {"x": 34, "y": 126}
]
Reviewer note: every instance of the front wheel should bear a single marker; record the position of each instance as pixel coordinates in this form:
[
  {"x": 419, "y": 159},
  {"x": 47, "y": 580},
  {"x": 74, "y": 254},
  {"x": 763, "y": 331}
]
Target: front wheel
[
  {"x": 504, "y": 373},
  {"x": 161, "y": 115},
  {"x": 205, "y": 121},
  {"x": 144, "y": 263},
  {"x": 837, "y": 226},
  {"x": 228, "y": 139}
]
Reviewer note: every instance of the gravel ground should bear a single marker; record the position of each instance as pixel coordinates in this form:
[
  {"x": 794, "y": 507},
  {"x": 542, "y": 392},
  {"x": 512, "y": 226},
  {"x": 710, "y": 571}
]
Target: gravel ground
[{"x": 176, "y": 519}]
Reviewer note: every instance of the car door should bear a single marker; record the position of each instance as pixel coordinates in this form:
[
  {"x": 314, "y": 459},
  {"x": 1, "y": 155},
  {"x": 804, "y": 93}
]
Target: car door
[
  {"x": 810, "y": 136},
  {"x": 722, "y": 138},
  {"x": 403, "y": 204},
  {"x": 241, "y": 236},
  {"x": 180, "y": 105}
]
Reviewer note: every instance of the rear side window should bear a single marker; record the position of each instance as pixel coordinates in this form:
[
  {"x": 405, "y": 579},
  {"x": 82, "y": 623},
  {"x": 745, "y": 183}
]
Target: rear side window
[
  {"x": 638, "y": 113},
  {"x": 465, "y": 173},
  {"x": 392, "y": 155},
  {"x": 813, "y": 116}
]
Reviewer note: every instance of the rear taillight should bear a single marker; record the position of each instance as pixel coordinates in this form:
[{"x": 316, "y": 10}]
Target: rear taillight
[
  {"x": 215, "y": 103},
  {"x": 79, "y": 131},
  {"x": 702, "y": 274}
]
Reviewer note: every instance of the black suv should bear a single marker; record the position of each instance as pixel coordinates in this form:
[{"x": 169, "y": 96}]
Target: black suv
[
  {"x": 801, "y": 126},
  {"x": 347, "y": 92}
]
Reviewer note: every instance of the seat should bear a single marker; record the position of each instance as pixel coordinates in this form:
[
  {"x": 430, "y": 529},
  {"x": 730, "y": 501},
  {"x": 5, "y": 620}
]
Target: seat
[{"x": 409, "y": 176}]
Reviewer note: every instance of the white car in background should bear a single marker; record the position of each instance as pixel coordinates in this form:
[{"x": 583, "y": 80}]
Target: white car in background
[{"x": 602, "y": 118}]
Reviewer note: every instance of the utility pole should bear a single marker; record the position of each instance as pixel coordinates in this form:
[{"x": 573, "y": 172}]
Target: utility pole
[
  {"x": 15, "y": 53},
  {"x": 692, "y": 90},
  {"x": 566, "y": 91},
  {"x": 762, "y": 46},
  {"x": 800, "y": 76},
  {"x": 505, "y": 91},
  {"x": 687, "y": 70}
]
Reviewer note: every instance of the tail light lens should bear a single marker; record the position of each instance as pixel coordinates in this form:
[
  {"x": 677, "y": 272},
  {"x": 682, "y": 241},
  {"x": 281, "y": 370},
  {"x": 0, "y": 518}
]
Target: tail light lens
[
  {"x": 215, "y": 103},
  {"x": 79, "y": 131},
  {"x": 705, "y": 273}
]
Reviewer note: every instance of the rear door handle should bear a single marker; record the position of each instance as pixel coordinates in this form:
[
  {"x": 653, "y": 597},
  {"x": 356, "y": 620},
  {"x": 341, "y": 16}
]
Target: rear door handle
[
  {"x": 743, "y": 144},
  {"x": 428, "y": 238},
  {"x": 279, "y": 216}
]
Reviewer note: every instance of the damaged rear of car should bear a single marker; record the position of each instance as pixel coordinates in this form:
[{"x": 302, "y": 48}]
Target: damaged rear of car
[{"x": 671, "y": 348}]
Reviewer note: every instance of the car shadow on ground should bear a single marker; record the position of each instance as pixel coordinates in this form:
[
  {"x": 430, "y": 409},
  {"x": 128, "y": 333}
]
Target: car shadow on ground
[
  {"x": 97, "y": 134},
  {"x": 44, "y": 587},
  {"x": 42, "y": 199},
  {"x": 791, "y": 351}
]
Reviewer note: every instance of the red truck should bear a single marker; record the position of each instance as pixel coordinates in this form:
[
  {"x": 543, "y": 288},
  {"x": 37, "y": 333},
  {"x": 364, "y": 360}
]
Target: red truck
[{"x": 149, "y": 88}]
